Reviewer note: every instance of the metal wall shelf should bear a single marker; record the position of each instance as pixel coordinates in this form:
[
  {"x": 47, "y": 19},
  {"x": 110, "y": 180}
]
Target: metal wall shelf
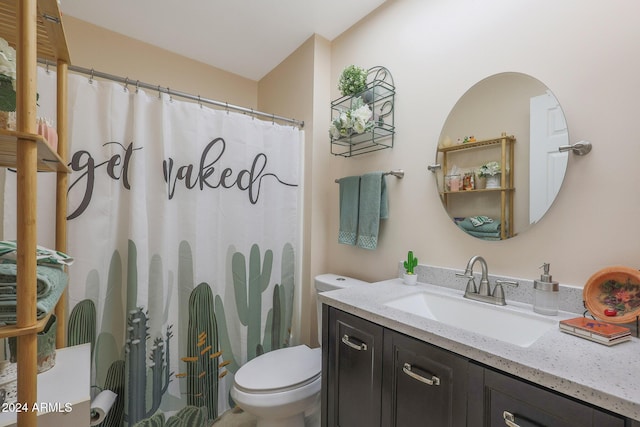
[{"x": 380, "y": 96}]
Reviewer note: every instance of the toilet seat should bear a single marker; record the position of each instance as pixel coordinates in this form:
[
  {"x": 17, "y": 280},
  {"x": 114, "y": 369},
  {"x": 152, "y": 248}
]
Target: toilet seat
[{"x": 280, "y": 370}]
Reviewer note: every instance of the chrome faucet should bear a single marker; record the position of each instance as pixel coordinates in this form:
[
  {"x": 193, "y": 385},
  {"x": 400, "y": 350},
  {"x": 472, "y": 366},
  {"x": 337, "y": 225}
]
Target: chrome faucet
[{"x": 484, "y": 293}]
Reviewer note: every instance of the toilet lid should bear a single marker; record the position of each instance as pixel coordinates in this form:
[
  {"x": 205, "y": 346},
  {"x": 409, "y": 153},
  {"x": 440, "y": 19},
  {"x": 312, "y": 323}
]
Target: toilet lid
[{"x": 280, "y": 370}]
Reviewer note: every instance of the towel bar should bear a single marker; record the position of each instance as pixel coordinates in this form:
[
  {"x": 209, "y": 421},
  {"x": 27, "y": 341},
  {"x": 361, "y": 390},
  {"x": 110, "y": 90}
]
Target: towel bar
[{"x": 397, "y": 173}]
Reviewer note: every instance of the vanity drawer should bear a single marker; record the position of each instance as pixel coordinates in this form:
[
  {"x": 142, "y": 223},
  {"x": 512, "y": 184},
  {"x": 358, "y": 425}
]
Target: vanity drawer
[{"x": 527, "y": 405}]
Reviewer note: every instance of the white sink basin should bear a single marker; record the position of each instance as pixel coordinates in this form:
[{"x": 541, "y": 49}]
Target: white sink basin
[{"x": 503, "y": 323}]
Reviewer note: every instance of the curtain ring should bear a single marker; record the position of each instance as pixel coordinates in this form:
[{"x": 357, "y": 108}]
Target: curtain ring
[
  {"x": 252, "y": 115},
  {"x": 126, "y": 84},
  {"x": 273, "y": 119},
  {"x": 91, "y": 77},
  {"x": 47, "y": 64},
  {"x": 137, "y": 85},
  {"x": 159, "y": 93},
  {"x": 226, "y": 107},
  {"x": 199, "y": 101},
  {"x": 169, "y": 93}
]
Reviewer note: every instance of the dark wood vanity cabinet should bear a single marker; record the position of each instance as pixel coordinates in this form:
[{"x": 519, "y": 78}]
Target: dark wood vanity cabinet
[
  {"x": 502, "y": 400},
  {"x": 373, "y": 376}
]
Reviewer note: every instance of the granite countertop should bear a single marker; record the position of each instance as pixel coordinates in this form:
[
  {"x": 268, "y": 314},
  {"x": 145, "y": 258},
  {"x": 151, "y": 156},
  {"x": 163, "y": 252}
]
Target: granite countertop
[{"x": 595, "y": 373}]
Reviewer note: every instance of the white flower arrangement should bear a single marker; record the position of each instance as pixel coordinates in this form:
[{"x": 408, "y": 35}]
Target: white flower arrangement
[
  {"x": 8, "y": 61},
  {"x": 489, "y": 169},
  {"x": 7, "y": 76},
  {"x": 357, "y": 119}
]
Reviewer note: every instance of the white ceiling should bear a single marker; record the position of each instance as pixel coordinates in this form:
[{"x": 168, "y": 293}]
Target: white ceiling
[{"x": 245, "y": 37}]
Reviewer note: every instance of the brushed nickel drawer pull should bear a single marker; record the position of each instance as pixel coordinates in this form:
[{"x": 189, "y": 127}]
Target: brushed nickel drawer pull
[
  {"x": 509, "y": 419},
  {"x": 360, "y": 347},
  {"x": 429, "y": 381}
]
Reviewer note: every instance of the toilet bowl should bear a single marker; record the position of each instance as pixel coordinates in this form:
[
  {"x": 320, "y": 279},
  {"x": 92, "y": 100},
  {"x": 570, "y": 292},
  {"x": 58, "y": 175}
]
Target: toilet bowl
[{"x": 278, "y": 387}]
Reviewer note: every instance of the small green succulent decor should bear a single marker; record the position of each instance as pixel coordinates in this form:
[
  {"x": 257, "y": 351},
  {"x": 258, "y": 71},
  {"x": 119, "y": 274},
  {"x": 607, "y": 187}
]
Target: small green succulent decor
[
  {"x": 353, "y": 80},
  {"x": 410, "y": 263},
  {"x": 489, "y": 169}
]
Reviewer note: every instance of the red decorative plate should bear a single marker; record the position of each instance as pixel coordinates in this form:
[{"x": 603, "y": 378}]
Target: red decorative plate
[{"x": 613, "y": 294}]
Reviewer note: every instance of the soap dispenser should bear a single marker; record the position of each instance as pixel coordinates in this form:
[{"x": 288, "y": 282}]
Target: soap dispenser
[{"x": 545, "y": 293}]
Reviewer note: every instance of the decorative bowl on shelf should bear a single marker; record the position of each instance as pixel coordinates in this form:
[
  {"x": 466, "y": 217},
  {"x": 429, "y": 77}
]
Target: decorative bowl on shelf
[{"x": 612, "y": 294}]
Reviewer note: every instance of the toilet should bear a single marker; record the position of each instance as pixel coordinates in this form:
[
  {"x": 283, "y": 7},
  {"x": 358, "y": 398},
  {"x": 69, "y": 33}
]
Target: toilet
[{"x": 279, "y": 386}]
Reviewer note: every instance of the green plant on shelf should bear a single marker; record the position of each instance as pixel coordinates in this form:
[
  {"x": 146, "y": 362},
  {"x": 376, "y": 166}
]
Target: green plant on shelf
[{"x": 353, "y": 80}]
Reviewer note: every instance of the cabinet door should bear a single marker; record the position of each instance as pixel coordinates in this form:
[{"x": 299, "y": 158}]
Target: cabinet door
[
  {"x": 423, "y": 385},
  {"x": 354, "y": 371},
  {"x": 527, "y": 405}
]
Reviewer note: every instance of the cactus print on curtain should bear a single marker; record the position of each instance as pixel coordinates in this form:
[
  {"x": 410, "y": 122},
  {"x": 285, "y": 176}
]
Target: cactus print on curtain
[{"x": 183, "y": 222}]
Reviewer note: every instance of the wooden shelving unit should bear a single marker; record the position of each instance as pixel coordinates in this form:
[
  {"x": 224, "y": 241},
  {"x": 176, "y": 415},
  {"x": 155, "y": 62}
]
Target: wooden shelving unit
[
  {"x": 34, "y": 29},
  {"x": 51, "y": 41},
  {"x": 48, "y": 160},
  {"x": 16, "y": 331},
  {"x": 506, "y": 190}
]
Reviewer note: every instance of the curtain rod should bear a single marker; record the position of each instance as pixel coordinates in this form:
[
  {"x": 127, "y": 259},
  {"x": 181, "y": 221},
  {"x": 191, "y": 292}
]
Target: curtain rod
[{"x": 138, "y": 84}]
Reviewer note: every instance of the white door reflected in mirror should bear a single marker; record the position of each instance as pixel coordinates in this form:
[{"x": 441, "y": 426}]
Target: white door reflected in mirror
[{"x": 547, "y": 166}]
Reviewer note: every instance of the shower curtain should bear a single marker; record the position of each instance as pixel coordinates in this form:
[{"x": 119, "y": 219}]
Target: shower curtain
[{"x": 184, "y": 225}]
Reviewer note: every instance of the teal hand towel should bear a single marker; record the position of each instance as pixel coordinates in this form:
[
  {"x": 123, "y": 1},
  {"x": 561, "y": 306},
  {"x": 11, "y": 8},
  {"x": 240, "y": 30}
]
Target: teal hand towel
[
  {"x": 44, "y": 305},
  {"x": 487, "y": 227},
  {"x": 349, "y": 204},
  {"x": 46, "y": 278},
  {"x": 373, "y": 207},
  {"x": 483, "y": 235}
]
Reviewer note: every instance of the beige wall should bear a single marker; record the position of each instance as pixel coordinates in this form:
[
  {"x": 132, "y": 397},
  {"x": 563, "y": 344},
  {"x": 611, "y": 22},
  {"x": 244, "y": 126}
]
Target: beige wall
[
  {"x": 299, "y": 88},
  {"x": 586, "y": 52},
  {"x": 103, "y": 50}
]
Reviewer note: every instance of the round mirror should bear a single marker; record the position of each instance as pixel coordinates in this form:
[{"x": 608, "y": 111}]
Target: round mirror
[{"x": 500, "y": 165}]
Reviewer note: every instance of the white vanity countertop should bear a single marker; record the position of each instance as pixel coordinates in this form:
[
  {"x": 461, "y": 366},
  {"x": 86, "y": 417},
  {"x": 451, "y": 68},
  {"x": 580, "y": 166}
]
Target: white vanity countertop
[{"x": 595, "y": 373}]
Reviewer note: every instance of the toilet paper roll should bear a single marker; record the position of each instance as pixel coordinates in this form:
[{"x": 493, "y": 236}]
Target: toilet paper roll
[{"x": 101, "y": 405}]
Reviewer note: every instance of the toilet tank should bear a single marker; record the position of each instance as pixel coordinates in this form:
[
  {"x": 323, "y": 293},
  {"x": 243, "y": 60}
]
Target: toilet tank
[{"x": 330, "y": 282}]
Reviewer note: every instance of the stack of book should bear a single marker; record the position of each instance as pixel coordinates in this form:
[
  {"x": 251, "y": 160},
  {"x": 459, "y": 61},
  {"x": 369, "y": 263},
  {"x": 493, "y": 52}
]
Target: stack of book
[{"x": 595, "y": 330}]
